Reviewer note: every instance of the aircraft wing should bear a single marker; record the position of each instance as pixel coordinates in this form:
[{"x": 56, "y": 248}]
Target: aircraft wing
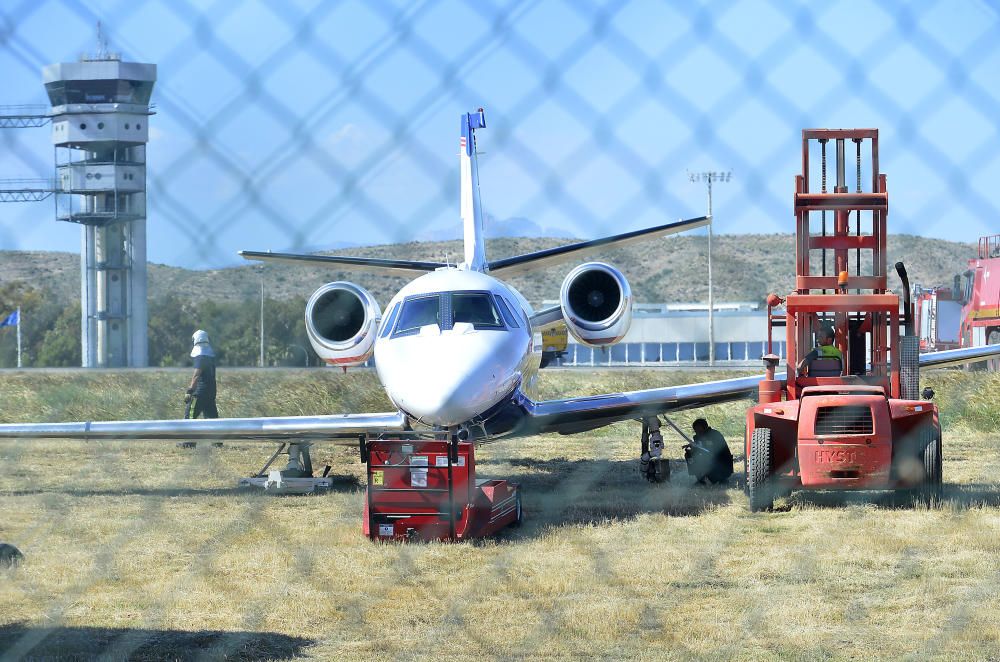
[
  {"x": 581, "y": 414},
  {"x": 345, "y": 428},
  {"x": 546, "y": 318},
  {"x": 959, "y": 356},
  {"x": 512, "y": 266},
  {"x": 410, "y": 268}
]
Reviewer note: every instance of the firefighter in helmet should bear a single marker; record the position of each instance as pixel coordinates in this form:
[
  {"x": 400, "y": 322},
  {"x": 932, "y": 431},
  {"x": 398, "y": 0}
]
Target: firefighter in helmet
[{"x": 202, "y": 387}]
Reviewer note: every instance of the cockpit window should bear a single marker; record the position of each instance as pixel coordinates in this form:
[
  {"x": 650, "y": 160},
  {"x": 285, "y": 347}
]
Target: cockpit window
[
  {"x": 476, "y": 308},
  {"x": 447, "y": 309},
  {"x": 506, "y": 310},
  {"x": 419, "y": 312},
  {"x": 387, "y": 325}
]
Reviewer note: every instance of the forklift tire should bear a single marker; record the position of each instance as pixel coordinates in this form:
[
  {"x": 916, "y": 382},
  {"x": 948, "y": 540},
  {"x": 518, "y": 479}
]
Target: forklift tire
[
  {"x": 931, "y": 456},
  {"x": 518, "y": 512},
  {"x": 759, "y": 484}
]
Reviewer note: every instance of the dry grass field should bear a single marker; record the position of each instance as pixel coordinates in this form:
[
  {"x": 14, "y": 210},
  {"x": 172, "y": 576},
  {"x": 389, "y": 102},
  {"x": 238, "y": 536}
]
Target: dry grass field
[{"x": 146, "y": 551}]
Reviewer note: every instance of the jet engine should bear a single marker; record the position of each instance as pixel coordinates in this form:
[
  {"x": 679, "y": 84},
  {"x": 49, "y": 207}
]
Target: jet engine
[
  {"x": 596, "y": 303},
  {"x": 342, "y": 321}
]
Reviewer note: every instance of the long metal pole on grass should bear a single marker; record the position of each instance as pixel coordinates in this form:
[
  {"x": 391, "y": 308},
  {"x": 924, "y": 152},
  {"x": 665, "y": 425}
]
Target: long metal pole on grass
[
  {"x": 711, "y": 301},
  {"x": 19, "y": 336},
  {"x": 708, "y": 177},
  {"x": 262, "y": 318}
]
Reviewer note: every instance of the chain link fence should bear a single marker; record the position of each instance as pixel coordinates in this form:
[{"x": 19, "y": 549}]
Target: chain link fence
[
  {"x": 317, "y": 125},
  {"x": 313, "y": 125}
]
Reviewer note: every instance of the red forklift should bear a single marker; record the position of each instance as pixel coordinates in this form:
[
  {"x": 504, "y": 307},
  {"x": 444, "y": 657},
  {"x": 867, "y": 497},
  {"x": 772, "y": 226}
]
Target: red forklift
[
  {"x": 426, "y": 489},
  {"x": 853, "y": 422}
]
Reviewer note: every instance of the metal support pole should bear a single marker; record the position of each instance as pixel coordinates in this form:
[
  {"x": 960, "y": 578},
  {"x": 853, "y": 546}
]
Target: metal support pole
[
  {"x": 678, "y": 430},
  {"x": 709, "y": 177},
  {"x": 822, "y": 142},
  {"x": 19, "y": 337},
  {"x": 711, "y": 301},
  {"x": 262, "y": 318}
]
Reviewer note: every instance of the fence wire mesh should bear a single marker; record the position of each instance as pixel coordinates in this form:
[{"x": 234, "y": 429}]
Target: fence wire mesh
[{"x": 317, "y": 125}]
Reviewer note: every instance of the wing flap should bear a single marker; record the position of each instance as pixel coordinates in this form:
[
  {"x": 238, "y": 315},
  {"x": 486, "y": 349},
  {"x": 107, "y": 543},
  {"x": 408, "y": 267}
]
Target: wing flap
[
  {"x": 280, "y": 428},
  {"x": 540, "y": 259},
  {"x": 348, "y": 263}
]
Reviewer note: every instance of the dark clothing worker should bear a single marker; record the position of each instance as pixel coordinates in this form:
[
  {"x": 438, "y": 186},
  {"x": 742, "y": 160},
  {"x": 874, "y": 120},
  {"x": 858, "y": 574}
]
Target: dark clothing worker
[
  {"x": 708, "y": 458},
  {"x": 202, "y": 387}
]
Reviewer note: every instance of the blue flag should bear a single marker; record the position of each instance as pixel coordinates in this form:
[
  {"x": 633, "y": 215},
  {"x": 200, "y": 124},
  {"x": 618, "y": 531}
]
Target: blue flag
[{"x": 11, "y": 320}]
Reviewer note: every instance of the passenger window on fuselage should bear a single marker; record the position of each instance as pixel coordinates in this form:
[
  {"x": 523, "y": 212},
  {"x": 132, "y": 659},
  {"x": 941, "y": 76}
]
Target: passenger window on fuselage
[
  {"x": 476, "y": 308},
  {"x": 419, "y": 312}
]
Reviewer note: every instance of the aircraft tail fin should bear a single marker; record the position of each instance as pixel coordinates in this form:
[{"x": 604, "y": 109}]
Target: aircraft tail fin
[{"x": 472, "y": 210}]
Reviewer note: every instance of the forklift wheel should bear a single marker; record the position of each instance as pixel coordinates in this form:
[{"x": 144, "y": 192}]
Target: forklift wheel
[
  {"x": 759, "y": 487},
  {"x": 519, "y": 513},
  {"x": 931, "y": 455}
]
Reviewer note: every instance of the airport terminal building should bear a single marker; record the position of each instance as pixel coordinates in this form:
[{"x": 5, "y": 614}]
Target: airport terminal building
[{"x": 677, "y": 333}]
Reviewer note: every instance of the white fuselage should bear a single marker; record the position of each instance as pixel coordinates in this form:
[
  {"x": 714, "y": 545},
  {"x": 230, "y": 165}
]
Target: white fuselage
[{"x": 443, "y": 371}]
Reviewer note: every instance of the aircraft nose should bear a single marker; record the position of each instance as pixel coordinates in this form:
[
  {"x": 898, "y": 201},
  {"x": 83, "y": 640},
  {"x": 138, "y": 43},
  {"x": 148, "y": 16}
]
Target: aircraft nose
[{"x": 450, "y": 386}]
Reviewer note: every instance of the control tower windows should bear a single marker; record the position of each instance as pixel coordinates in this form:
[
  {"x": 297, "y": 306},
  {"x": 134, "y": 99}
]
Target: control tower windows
[{"x": 99, "y": 91}]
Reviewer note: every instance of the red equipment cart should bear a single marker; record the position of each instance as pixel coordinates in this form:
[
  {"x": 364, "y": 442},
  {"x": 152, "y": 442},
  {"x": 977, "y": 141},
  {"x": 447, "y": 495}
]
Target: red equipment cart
[
  {"x": 857, "y": 423},
  {"x": 426, "y": 489}
]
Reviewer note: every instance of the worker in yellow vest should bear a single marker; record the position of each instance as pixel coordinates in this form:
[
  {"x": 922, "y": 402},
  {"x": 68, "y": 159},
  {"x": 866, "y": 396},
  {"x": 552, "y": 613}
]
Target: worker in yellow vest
[{"x": 824, "y": 350}]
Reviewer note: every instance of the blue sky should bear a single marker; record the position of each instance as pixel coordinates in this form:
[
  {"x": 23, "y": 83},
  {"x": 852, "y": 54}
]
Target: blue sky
[{"x": 305, "y": 125}]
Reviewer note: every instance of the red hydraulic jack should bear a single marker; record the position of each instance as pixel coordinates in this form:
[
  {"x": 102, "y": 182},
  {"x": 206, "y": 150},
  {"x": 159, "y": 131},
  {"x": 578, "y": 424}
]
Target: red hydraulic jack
[{"x": 426, "y": 489}]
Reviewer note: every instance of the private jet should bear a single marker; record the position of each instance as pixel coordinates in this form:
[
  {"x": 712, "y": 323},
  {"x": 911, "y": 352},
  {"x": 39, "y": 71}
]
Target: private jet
[{"x": 457, "y": 351}]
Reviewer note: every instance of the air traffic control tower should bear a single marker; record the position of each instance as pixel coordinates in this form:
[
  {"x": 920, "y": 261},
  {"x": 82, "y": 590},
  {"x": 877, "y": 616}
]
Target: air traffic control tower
[{"x": 100, "y": 108}]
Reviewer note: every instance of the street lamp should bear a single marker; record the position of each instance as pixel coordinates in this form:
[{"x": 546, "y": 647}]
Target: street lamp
[
  {"x": 261, "y": 270},
  {"x": 709, "y": 176}
]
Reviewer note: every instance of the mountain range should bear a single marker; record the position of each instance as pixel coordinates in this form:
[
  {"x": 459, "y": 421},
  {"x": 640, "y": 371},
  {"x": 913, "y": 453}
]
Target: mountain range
[{"x": 672, "y": 269}]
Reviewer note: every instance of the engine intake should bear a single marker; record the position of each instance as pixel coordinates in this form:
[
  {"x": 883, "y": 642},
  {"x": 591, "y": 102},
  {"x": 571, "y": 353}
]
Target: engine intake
[
  {"x": 342, "y": 322},
  {"x": 596, "y": 303}
]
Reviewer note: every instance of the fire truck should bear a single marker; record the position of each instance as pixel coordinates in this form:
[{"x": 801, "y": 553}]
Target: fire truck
[
  {"x": 980, "y": 296},
  {"x": 966, "y": 313},
  {"x": 938, "y": 313}
]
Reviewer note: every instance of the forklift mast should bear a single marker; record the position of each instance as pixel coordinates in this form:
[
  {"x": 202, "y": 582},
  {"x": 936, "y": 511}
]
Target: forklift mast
[{"x": 841, "y": 269}]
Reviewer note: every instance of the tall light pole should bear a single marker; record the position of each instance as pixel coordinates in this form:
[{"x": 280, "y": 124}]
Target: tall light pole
[
  {"x": 261, "y": 317},
  {"x": 709, "y": 176}
]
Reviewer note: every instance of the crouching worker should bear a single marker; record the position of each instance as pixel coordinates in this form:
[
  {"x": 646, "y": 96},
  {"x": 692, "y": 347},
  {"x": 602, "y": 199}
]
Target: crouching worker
[
  {"x": 708, "y": 457},
  {"x": 202, "y": 387}
]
